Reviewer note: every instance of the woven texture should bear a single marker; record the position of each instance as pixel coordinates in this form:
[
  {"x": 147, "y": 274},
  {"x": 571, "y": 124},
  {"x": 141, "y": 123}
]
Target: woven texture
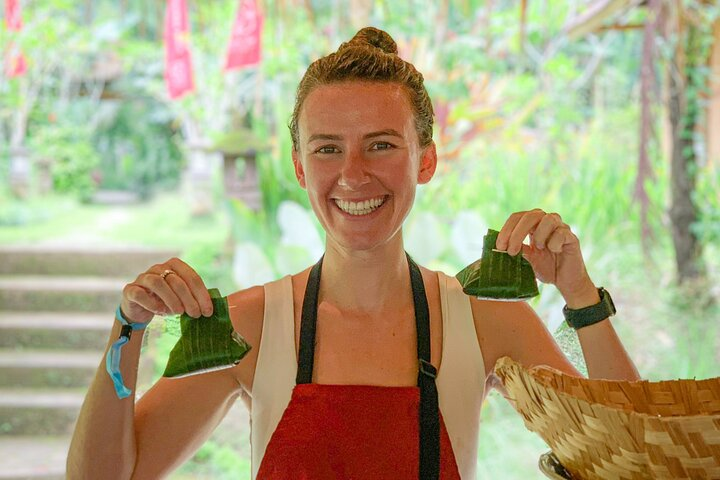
[{"x": 605, "y": 429}]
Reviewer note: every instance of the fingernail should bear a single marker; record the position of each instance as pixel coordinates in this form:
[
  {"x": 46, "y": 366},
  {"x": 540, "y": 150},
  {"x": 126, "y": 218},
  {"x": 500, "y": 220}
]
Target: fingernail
[{"x": 540, "y": 246}]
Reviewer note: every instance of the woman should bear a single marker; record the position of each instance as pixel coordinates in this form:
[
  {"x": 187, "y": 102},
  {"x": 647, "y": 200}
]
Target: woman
[{"x": 342, "y": 347}]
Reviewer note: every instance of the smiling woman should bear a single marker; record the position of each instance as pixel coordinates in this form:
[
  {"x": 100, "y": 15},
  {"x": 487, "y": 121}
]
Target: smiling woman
[{"x": 364, "y": 365}]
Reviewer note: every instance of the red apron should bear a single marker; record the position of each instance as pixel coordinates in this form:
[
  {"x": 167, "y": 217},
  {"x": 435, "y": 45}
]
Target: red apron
[{"x": 360, "y": 431}]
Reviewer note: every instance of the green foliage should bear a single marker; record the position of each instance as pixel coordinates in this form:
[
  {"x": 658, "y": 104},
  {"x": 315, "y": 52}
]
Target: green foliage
[
  {"x": 707, "y": 199},
  {"x": 72, "y": 158},
  {"x": 138, "y": 148},
  {"x": 217, "y": 461}
]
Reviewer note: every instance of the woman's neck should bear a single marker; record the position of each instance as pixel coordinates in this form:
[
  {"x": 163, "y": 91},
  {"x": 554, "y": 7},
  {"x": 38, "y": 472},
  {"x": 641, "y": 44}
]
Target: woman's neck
[{"x": 366, "y": 282}]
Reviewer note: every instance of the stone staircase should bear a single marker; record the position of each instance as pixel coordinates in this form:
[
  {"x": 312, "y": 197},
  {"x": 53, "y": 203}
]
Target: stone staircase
[{"x": 56, "y": 311}]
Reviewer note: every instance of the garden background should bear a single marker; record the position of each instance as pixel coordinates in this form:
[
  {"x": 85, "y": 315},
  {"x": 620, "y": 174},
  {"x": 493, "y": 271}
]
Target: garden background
[{"x": 607, "y": 112}]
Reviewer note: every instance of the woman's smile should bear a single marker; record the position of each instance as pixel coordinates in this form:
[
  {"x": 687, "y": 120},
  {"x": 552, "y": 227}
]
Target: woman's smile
[{"x": 360, "y": 210}]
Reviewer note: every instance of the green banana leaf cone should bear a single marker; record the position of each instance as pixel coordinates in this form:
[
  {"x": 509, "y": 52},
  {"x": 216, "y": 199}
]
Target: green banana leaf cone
[
  {"x": 206, "y": 343},
  {"x": 497, "y": 275}
]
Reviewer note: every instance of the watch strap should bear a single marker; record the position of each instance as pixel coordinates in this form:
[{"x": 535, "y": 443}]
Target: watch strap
[{"x": 583, "y": 317}]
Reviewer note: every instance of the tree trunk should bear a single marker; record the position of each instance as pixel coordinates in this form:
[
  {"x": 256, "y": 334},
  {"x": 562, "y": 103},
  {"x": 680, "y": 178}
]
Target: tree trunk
[
  {"x": 647, "y": 88},
  {"x": 683, "y": 119}
]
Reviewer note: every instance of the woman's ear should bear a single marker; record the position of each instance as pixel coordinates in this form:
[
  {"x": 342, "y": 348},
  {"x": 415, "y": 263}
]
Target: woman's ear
[
  {"x": 299, "y": 172},
  {"x": 428, "y": 164}
]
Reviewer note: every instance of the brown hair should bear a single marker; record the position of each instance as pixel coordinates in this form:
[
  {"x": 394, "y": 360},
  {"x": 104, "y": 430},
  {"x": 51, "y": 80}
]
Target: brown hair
[{"x": 371, "y": 55}]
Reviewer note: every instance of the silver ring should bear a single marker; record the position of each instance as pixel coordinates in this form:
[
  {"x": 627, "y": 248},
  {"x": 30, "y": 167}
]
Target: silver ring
[{"x": 166, "y": 273}]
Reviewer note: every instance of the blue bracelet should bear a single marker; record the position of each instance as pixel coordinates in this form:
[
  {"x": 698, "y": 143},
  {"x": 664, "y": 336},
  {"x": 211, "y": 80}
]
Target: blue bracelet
[{"x": 112, "y": 360}]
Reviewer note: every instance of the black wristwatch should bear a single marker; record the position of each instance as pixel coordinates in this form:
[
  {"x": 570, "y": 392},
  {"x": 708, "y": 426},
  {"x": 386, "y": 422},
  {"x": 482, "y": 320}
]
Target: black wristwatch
[{"x": 582, "y": 317}]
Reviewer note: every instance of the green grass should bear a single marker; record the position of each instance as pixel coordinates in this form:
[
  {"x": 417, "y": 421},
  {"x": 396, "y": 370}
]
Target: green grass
[
  {"x": 164, "y": 222},
  {"x": 44, "y": 219}
]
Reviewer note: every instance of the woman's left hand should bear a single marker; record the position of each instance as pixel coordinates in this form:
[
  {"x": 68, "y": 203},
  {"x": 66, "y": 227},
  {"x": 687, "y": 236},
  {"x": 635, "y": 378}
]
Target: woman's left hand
[{"x": 554, "y": 251}]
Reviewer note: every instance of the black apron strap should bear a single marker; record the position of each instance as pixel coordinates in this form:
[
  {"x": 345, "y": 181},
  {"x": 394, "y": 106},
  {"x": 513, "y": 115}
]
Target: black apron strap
[
  {"x": 429, "y": 419},
  {"x": 306, "y": 352},
  {"x": 429, "y": 410}
]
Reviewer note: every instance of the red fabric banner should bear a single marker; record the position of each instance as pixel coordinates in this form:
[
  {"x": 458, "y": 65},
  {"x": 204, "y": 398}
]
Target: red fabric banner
[
  {"x": 178, "y": 65},
  {"x": 13, "y": 18},
  {"x": 244, "y": 47},
  {"x": 15, "y": 64}
]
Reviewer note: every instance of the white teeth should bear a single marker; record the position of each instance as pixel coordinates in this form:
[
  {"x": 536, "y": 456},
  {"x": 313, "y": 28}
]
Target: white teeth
[{"x": 360, "y": 208}]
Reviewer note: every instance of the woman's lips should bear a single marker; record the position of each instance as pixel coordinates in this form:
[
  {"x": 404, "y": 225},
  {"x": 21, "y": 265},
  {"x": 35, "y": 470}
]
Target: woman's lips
[{"x": 367, "y": 215}]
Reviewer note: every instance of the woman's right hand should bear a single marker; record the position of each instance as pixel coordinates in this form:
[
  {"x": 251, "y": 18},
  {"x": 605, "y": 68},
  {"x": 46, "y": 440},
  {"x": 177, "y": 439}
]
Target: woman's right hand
[{"x": 181, "y": 291}]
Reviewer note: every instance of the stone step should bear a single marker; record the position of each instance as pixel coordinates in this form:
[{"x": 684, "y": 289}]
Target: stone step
[
  {"x": 61, "y": 294},
  {"x": 26, "y": 411},
  {"x": 103, "y": 261},
  {"x": 33, "y": 457},
  {"x": 51, "y": 330},
  {"x": 49, "y": 369}
]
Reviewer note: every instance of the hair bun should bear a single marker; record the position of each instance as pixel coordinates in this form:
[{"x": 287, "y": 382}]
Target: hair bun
[{"x": 373, "y": 37}]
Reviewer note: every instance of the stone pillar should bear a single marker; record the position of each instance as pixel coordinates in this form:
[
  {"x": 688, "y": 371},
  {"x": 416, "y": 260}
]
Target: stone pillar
[
  {"x": 198, "y": 179},
  {"x": 19, "y": 172}
]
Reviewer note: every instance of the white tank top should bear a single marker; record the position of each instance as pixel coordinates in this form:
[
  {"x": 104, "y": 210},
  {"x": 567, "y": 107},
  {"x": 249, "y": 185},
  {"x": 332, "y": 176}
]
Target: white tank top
[{"x": 460, "y": 380}]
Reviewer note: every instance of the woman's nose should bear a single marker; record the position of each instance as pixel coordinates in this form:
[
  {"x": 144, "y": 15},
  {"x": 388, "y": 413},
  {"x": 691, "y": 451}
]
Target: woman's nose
[{"x": 352, "y": 174}]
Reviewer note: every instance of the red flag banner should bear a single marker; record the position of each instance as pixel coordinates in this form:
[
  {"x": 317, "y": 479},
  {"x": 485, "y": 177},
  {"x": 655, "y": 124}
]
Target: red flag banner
[
  {"x": 13, "y": 18},
  {"x": 244, "y": 47},
  {"x": 178, "y": 65},
  {"x": 15, "y": 64}
]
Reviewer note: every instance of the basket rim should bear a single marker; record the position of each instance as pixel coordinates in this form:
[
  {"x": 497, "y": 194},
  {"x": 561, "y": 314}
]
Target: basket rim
[
  {"x": 553, "y": 370},
  {"x": 508, "y": 362}
]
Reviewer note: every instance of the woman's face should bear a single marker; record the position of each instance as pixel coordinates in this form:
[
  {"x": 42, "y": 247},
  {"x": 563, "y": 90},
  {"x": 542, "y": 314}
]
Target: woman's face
[{"x": 357, "y": 143}]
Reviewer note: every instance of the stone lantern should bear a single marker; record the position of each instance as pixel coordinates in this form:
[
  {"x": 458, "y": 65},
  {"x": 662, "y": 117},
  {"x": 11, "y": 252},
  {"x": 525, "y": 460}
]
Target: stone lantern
[{"x": 239, "y": 149}]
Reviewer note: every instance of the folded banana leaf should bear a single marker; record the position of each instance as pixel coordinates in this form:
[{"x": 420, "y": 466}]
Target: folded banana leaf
[
  {"x": 497, "y": 275},
  {"x": 206, "y": 343}
]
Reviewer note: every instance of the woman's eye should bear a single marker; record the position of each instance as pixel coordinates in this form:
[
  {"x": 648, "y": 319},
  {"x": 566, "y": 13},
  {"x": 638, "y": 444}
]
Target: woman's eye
[
  {"x": 325, "y": 150},
  {"x": 382, "y": 146}
]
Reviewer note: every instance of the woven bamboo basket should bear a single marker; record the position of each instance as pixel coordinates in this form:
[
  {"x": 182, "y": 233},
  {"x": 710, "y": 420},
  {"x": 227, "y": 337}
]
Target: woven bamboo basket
[{"x": 620, "y": 430}]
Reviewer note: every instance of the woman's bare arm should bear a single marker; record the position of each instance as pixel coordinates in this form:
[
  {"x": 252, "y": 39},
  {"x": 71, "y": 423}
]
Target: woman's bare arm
[
  {"x": 605, "y": 355},
  {"x": 103, "y": 443},
  {"x": 113, "y": 437},
  {"x": 513, "y": 329}
]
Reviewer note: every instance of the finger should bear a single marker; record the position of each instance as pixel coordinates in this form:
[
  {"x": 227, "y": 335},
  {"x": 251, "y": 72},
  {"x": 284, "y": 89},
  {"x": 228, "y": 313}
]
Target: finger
[
  {"x": 139, "y": 295},
  {"x": 559, "y": 237},
  {"x": 524, "y": 227},
  {"x": 194, "y": 283},
  {"x": 545, "y": 228},
  {"x": 190, "y": 304},
  {"x": 501, "y": 242},
  {"x": 153, "y": 282}
]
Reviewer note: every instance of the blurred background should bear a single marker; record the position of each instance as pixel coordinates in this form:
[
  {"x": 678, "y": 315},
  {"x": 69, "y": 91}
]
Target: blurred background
[{"x": 132, "y": 131}]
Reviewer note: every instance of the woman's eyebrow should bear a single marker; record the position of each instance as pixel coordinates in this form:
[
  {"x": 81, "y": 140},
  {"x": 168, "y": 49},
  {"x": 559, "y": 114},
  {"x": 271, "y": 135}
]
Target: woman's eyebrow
[{"x": 327, "y": 136}]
